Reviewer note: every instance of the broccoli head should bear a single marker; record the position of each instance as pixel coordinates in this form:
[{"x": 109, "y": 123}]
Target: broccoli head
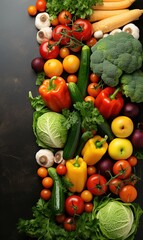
[
  {"x": 132, "y": 86},
  {"x": 114, "y": 55}
]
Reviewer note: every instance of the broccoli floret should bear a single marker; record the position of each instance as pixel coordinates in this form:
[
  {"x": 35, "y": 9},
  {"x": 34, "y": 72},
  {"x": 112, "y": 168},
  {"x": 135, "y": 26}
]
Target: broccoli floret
[
  {"x": 114, "y": 55},
  {"x": 132, "y": 86}
]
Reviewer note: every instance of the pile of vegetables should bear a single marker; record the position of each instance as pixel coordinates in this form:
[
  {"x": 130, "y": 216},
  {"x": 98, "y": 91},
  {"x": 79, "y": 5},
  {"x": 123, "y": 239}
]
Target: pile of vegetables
[{"x": 85, "y": 120}]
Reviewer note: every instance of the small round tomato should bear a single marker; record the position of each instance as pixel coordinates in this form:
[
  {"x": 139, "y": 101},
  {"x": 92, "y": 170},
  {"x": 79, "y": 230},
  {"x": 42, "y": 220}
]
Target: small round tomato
[
  {"x": 32, "y": 10},
  {"x": 97, "y": 184},
  {"x": 61, "y": 34},
  {"x": 69, "y": 224},
  {"x": 49, "y": 50},
  {"x": 71, "y": 63},
  {"x": 47, "y": 182},
  {"x": 53, "y": 67},
  {"x": 86, "y": 195},
  {"x": 60, "y": 218},
  {"x": 91, "y": 170},
  {"x": 72, "y": 78},
  {"x": 42, "y": 172},
  {"x": 55, "y": 22},
  {"x": 128, "y": 193},
  {"x": 74, "y": 47},
  {"x": 61, "y": 169},
  {"x": 64, "y": 51},
  {"x": 94, "y": 78},
  {"x": 93, "y": 89},
  {"x": 132, "y": 161},
  {"x": 74, "y": 205},
  {"x": 122, "y": 169},
  {"x": 82, "y": 29},
  {"x": 41, "y": 5},
  {"x": 91, "y": 42},
  {"x": 64, "y": 17},
  {"x": 45, "y": 194},
  {"x": 115, "y": 185},
  {"x": 89, "y": 98},
  {"x": 132, "y": 180},
  {"x": 88, "y": 207}
]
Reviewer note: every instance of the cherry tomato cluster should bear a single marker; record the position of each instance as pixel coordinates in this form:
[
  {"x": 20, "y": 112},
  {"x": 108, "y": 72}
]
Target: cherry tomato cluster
[{"x": 40, "y": 6}]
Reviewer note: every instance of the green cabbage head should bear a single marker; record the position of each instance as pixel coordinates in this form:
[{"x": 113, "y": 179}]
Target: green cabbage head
[
  {"x": 116, "y": 220},
  {"x": 50, "y": 130}
]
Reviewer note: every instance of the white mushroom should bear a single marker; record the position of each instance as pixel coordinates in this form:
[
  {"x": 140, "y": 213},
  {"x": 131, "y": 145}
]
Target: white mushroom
[
  {"x": 58, "y": 158},
  {"x": 44, "y": 34},
  {"x": 132, "y": 29},
  {"x": 105, "y": 35},
  {"x": 117, "y": 30},
  {"x": 42, "y": 20},
  {"x": 45, "y": 158},
  {"x": 98, "y": 34}
]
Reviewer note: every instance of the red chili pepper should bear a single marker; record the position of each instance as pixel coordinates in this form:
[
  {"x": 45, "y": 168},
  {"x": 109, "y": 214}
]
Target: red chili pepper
[
  {"x": 55, "y": 94},
  {"x": 109, "y": 102}
]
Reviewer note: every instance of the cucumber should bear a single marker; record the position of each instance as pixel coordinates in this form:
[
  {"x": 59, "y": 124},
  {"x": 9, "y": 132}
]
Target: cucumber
[
  {"x": 84, "y": 69},
  {"x": 84, "y": 138},
  {"x": 74, "y": 92},
  {"x": 57, "y": 199},
  {"x": 104, "y": 129},
  {"x": 72, "y": 141}
]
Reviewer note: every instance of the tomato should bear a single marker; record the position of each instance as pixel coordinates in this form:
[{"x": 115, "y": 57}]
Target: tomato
[
  {"x": 91, "y": 170},
  {"x": 32, "y": 10},
  {"x": 132, "y": 161},
  {"x": 42, "y": 172},
  {"x": 49, "y": 50},
  {"x": 86, "y": 195},
  {"x": 88, "y": 207},
  {"x": 93, "y": 89},
  {"x": 71, "y": 63},
  {"x": 89, "y": 98},
  {"x": 132, "y": 180},
  {"x": 55, "y": 22},
  {"x": 74, "y": 205},
  {"x": 74, "y": 46},
  {"x": 91, "y": 42},
  {"x": 69, "y": 224},
  {"x": 94, "y": 78},
  {"x": 128, "y": 193},
  {"x": 115, "y": 185},
  {"x": 61, "y": 34},
  {"x": 47, "y": 182},
  {"x": 122, "y": 169},
  {"x": 61, "y": 169},
  {"x": 60, "y": 218},
  {"x": 45, "y": 194},
  {"x": 96, "y": 184},
  {"x": 53, "y": 67},
  {"x": 64, "y": 17},
  {"x": 72, "y": 78},
  {"x": 64, "y": 51},
  {"x": 41, "y": 5},
  {"x": 82, "y": 29}
]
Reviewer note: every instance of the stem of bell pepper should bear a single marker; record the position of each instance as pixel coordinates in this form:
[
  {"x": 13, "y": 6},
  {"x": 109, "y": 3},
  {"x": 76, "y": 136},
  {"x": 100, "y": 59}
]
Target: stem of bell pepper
[
  {"x": 113, "y": 95},
  {"x": 99, "y": 144},
  {"x": 51, "y": 84},
  {"x": 76, "y": 164}
]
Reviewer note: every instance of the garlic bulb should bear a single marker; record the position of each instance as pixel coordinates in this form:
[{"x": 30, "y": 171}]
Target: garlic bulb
[
  {"x": 45, "y": 158},
  {"x": 98, "y": 34},
  {"x": 44, "y": 34},
  {"x": 132, "y": 29},
  {"x": 42, "y": 20}
]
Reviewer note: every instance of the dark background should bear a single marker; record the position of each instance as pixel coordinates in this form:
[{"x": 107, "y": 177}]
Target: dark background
[{"x": 19, "y": 185}]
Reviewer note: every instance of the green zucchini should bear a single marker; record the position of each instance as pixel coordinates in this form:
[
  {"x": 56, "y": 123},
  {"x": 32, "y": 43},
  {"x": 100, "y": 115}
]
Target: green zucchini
[
  {"x": 57, "y": 199},
  {"x": 84, "y": 69},
  {"x": 84, "y": 138},
  {"x": 105, "y": 129},
  {"x": 72, "y": 141},
  {"x": 74, "y": 92}
]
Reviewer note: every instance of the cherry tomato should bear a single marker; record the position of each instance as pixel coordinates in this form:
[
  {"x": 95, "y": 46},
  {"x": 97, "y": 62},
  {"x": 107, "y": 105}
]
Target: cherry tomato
[
  {"x": 45, "y": 194},
  {"x": 82, "y": 29},
  {"x": 69, "y": 224},
  {"x": 132, "y": 180},
  {"x": 94, "y": 78},
  {"x": 74, "y": 205},
  {"x": 60, "y": 218},
  {"x": 115, "y": 185},
  {"x": 72, "y": 78},
  {"x": 88, "y": 207},
  {"x": 86, "y": 195},
  {"x": 128, "y": 193},
  {"x": 93, "y": 89},
  {"x": 49, "y": 50},
  {"x": 47, "y": 182},
  {"x": 74, "y": 47},
  {"x": 122, "y": 168},
  {"x": 55, "y": 22},
  {"x": 61, "y": 169},
  {"x": 41, "y": 5},
  {"x": 53, "y": 67},
  {"x": 91, "y": 170},
  {"x": 91, "y": 42},
  {"x": 64, "y": 51},
  {"x": 97, "y": 184},
  {"x": 132, "y": 161},
  {"x": 32, "y": 10},
  {"x": 42, "y": 172},
  {"x": 71, "y": 63},
  {"x": 64, "y": 17},
  {"x": 89, "y": 98},
  {"x": 61, "y": 34}
]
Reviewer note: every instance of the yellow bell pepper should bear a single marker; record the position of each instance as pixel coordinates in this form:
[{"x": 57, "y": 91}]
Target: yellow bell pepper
[
  {"x": 94, "y": 149},
  {"x": 76, "y": 173}
]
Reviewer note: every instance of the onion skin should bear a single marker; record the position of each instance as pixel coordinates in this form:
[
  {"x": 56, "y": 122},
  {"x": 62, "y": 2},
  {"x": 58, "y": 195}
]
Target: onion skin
[
  {"x": 37, "y": 64},
  {"x": 104, "y": 166},
  {"x": 130, "y": 110},
  {"x": 137, "y": 138}
]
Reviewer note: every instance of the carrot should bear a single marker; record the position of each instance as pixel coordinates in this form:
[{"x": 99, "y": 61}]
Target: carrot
[
  {"x": 111, "y": 23},
  {"x": 114, "y": 5},
  {"x": 102, "y": 14}
]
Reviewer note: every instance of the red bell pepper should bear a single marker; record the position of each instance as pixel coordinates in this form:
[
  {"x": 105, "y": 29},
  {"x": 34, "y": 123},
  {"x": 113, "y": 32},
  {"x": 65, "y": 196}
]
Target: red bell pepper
[
  {"x": 55, "y": 94},
  {"x": 109, "y": 102}
]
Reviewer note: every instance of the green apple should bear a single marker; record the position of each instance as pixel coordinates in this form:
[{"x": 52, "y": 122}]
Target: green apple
[
  {"x": 120, "y": 148},
  {"x": 122, "y": 126}
]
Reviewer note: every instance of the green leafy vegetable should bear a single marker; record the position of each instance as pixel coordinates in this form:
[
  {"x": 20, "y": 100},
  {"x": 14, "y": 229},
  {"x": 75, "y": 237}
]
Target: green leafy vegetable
[
  {"x": 37, "y": 103},
  {"x": 40, "y": 78}
]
